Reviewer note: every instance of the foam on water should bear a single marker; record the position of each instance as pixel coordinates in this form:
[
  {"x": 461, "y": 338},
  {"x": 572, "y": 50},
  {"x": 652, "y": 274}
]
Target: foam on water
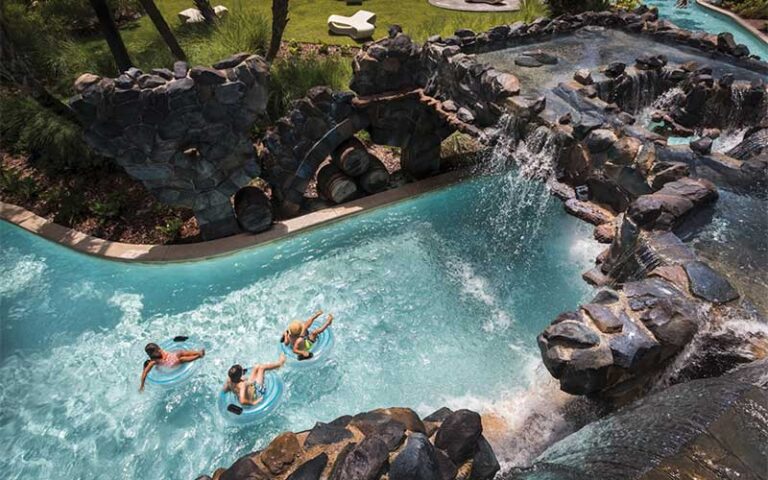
[{"x": 437, "y": 300}]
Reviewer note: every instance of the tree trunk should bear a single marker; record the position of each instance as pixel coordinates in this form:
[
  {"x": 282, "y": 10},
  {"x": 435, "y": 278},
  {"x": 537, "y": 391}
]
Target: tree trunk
[
  {"x": 279, "y": 21},
  {"x": 209, "y": 14},
  {"x": 112, "y": 35},
  {"x": 163, "y": 28},
  {"x": 15, "y": 70}
]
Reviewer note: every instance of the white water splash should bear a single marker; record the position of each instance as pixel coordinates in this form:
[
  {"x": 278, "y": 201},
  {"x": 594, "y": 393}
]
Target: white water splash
[
  {"x": 480, "y": 289},
  {"x": 18, "y": 272}
]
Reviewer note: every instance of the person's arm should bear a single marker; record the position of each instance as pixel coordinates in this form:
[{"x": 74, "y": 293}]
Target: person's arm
[{"x": 147, "y": 367}]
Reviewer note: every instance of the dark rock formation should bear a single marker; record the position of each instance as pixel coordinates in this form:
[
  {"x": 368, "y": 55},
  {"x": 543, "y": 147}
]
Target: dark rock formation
[
  {"x": 712, "y": 428},
  {"x": 186, "y": 138},
  {"x": 391, "y": 442}
]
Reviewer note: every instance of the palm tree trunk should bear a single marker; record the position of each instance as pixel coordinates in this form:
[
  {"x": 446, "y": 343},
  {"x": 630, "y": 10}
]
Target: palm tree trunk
[
  {"x": 15, "y": 70},
  {"x": 163, "y": 28},
  {"x": 279, "y": 21},
  {"x": 209, "y": 14},
  {"x": 112, "y": 35}
]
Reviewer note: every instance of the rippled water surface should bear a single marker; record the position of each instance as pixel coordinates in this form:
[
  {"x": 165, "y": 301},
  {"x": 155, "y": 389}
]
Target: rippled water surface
[{"x": 438, "y": 301}]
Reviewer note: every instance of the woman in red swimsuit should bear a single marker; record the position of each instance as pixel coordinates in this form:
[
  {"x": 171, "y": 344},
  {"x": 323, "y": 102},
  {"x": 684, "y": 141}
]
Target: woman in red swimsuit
[{"x": 163, "y": 358}]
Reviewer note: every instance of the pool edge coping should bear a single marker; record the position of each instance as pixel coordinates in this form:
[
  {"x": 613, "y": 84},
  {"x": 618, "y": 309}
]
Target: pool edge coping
[
  {"x": 161, "y": 253},
  {"x": 760, "y": 35}
]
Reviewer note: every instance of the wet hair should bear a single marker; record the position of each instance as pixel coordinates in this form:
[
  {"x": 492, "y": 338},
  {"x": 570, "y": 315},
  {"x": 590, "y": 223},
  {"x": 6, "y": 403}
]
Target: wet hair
[
  {"x": 235, "y": 373},
  {"x": 153, "y": 351}
]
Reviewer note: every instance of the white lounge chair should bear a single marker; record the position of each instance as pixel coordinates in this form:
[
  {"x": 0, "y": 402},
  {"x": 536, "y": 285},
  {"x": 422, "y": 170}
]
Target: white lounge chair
[
  {"x": 193, "y": 15},
  {"x": 359, "y": 26}
]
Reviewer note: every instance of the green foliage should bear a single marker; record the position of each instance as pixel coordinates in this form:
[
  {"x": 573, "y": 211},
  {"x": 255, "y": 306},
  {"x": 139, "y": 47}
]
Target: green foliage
[
  {"x": 109, "y": 208},
  {"x": 67, "y": 203},
  {"x": 530, "y": 10},
  {"x": 243, "y": 30},
  {"x": 172, "y": 228},
  {"x": 54, "y": 143},
  {"x": 12, "y": 183},
  {"x": 627, "y": 4},
  {"x": 292, "y": 77},
  {"x": 748, "y": 8},
  {"x": 78, "y": 15},
  {"x": 559, "y": 7}
]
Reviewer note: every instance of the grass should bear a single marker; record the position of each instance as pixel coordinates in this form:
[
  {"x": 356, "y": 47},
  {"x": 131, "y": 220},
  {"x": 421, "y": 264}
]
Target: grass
[{"x": 307, "y": 24}]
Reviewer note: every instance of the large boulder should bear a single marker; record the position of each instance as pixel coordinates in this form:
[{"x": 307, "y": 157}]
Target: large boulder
[
  {"x": 281, "y": 453},
  {"x": 458, "y": 435},
  {"x": 709, "y": 284},
  {"x": 416, "y": 461},
  {"x": 311, "y": 469},
  {"x": 710, "y": 429},
  {"x": 365, "y": 461}
]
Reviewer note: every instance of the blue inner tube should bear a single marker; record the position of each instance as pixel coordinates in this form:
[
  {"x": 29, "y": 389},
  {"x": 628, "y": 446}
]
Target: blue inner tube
[
  {"x": 321, "y": 350},
  {"x": 253, "y": 413},
  {"x": 168, "y": 377}
]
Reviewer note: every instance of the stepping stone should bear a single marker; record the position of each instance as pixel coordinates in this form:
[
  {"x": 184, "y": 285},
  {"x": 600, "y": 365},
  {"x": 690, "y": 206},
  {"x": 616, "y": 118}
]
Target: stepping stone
[
  {"x": 708, "y": 284},
  {"x": 525, "y": 61},
  {"x": 541, "y": 57}
]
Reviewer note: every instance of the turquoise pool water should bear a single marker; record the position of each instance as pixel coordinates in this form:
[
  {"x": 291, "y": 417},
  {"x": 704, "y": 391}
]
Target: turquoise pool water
[
  {"x": 437, "y": 301},
  {"x": 696, "y": 17}
]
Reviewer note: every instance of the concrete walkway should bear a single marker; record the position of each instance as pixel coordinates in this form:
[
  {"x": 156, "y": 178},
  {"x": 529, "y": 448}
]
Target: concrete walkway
[{"x": 464, "y": 6}]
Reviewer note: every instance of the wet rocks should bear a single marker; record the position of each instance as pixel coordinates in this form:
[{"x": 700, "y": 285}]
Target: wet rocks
[
  {"x": 541, "y": 56},
  {"x": 416, "y": 461},
  {"x": 364, "y": 462},
  {"x": 377, "y": 444},
  {"x": 724, "y": 438},
  {"x": 587, "y": 211},
  {"x": 615, "y": 69},
  {"x": 702, "y": 146},
  {"x": 650, "y": 62},
  {"x": 526, "y": 61},
  {"x": 458, "y": 435},
  {"x": 600, "y": 140},
  {"x": 583, "y": 76},
  {"x": 668, "y": 207},
  {"x": 709, "y": 284}
]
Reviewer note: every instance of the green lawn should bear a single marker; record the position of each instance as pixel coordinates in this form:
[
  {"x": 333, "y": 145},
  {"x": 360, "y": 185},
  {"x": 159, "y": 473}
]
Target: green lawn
[{"x": 307, "y": 24}]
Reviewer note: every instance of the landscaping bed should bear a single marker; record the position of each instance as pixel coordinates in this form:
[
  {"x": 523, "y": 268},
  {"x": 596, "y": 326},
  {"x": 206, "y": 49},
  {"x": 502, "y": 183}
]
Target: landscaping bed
[{"x": 104, "y": 203}]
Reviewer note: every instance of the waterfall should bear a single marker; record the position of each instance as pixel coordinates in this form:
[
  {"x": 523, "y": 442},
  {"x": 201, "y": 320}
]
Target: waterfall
[
  {"x": 663, "y": 102},
  {"x": 734, "y": 336},
  {"x": 523, "y": 166}
]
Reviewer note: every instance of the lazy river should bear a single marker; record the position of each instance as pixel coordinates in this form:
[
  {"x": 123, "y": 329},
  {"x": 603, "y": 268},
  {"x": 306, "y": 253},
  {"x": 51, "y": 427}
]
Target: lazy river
[
  {"x": 695, "y": 17},
  {"x": 438, "y": 301}
]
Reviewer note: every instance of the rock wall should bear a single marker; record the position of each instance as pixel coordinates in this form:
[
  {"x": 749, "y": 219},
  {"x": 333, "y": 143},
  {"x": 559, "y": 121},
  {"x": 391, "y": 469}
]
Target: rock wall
[
  {"x": 638, "y": 192},
  {"x": 404, "y": 96},
  {"x": 389, "y": 443},
  {"x": 713, "y": 429},
  {"x": 183, "y": 133}
]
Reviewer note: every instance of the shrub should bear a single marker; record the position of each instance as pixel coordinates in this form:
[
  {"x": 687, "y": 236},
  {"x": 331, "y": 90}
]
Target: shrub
[
  {"x": 560, "y": 7},
  {"x": 748, "y": 8},
  {"x": 627, "y": 4},
  {"x": 291, "y": 77},
  {"x": 108, "y": 208},
  {"x": 67, "y": 203},
  {"x": 53, "y": 142},
  {"x": 78, "y": 15},
  {"x": 243, "y": 30},
  {"x": 13, "y": 184},
  {"x": 533, "y": 9},
  {"x": 172, "y": 228}
]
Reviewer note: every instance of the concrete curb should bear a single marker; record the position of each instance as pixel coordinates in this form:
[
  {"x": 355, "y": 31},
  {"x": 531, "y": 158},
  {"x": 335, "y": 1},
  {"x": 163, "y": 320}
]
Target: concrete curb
[{"x": 760, "y": 35}]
